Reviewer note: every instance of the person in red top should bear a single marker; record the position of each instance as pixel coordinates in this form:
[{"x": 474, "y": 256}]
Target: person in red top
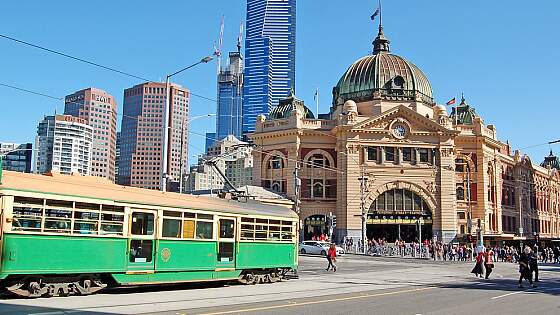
[
  {"x": 331, "y": 257},
  {"x": 478, "y": 269}
]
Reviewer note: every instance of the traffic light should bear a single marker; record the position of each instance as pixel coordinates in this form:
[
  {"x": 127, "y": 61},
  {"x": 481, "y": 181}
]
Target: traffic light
[
  {"x": 537, "y": 238},
  {"x": 334, "y": 220}
]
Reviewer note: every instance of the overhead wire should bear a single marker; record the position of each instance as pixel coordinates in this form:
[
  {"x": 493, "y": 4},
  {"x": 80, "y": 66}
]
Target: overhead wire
[{"x": 95, "y": 64}]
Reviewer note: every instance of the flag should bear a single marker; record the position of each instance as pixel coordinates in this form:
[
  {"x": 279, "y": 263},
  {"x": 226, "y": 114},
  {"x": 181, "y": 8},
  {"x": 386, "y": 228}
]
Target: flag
[
  {"x": 376, "y": 13},
  {"x": 451, "y": 102},
  {"x": 316, "y": 94}
]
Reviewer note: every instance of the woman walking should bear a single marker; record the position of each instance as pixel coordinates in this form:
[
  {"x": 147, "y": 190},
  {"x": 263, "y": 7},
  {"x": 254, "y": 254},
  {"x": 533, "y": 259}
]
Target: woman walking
[
  {"x": 331, "y": 257},
  {"x": 477, "y": 270}
]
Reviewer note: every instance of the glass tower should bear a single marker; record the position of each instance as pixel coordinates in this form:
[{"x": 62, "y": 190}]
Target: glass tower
[
  {"x": 270, "y": 41},
  {"x": 230, "y": 98}
]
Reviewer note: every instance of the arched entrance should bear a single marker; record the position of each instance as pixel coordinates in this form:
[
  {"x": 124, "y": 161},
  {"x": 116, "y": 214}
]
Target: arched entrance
[
  {"x": 315, "y": 225},
  {"x": 399, "y": 214}
]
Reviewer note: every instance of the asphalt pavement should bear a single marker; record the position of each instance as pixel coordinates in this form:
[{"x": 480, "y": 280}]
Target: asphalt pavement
[{"x": 361, "y": 285}]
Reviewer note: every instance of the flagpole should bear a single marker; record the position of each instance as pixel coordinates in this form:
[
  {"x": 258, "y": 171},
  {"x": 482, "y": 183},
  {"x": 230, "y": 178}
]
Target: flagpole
[
  {"x": 317, "y": 101},
  {"x": 380, "y": 14}
]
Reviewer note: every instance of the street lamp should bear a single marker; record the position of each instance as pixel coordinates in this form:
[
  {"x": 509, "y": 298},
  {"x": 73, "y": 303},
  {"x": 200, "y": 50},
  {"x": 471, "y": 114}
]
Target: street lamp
[
  {"x": 164, "y": 172},
  {"x": 181, "y": 163}
]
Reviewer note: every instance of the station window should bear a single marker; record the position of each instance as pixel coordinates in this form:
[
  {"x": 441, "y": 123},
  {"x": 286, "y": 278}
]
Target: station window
[
  {"x": 372, "y": 153},
  {"x": 407, "y": 154},
  {"x": 423, "y": 153},
  {"x": 390, "y": 154}
]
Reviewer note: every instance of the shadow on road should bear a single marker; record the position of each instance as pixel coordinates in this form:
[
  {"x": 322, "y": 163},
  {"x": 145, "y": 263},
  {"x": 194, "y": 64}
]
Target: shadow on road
[
  {"x": 25, "y": 309},
  {"x": 545, "y": 285}
]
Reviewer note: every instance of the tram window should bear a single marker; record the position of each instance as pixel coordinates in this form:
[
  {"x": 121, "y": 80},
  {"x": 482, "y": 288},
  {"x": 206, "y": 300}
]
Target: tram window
[
  {"x": 111, "y": 223},
  {"x": 26, "y": 218},
  {"x": 189, "y": 215},
  {"x": 226, "y": 228},
  {"x": 225, "y": 252},
  {"x": 202, "y": 216},
  {"x": 204, "y": 230},
  {"x": 171, "y": 228},
  {"x": 140, "y": 251},
  {"x": 86, "y": 215},
  {"x": 112, "y": 208},
  {"x": 248, "y": 220},
  {"x": 261, "y": 232},
  {"x": 172, "y": 214},
  {"x": 188, "y": 229},
  {"x": 59, "y": 203},
  {"x": 87, "y": 206},
  {"x": 29, "y": 201},
  {"x": 85, "y": 227},
  {"x": 142, "y": 223},
  {"x": 274, "y": 233},
  {"x": 58, "y": 220}
]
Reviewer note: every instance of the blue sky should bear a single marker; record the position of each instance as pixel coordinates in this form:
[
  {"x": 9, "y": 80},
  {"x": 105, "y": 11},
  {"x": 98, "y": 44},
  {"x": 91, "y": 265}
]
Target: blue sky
[{"x": 502, "y": 54}]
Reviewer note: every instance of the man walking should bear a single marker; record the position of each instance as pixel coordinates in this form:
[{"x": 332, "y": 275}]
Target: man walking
[{"x": 331, "y": 257}]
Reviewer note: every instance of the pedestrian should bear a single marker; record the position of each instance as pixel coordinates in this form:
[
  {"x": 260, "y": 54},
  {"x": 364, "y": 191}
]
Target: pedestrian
[
  {"x": 488, "y": 262},
  {"x": 524, "y": 270},
  {"x": 331, "y": 257},
  {"x": 477, "y": 270},
  {"x": 533, "y": 265}
]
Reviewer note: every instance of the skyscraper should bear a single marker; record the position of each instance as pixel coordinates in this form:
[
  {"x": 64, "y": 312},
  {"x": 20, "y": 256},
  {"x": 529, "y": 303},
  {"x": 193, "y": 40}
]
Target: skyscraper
[
  {"x": 17, "y": 156},
  {"x": 270, "y": 42},
  {"x": 140, "y": 160},
  {"x": 230, "y": 98},
  {"x": 99, "y": 110},
  {"x": 64, "y": 144}
]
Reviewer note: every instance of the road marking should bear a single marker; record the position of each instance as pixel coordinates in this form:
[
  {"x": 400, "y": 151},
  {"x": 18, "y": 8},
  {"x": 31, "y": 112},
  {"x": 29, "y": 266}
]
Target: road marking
[
  {"x": 507, "y": 294},
  {"x": 292, "y": 304}
]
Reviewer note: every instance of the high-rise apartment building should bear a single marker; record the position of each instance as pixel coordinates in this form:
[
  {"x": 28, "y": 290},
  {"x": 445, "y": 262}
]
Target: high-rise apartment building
[
  {"x": 99, "y": 110},
  {"x": 64, "y": 143},
  {"x": 16, "y": 157},
  {"x": 270, "y": 63},
  {"x": 141, "y": 158},
  {"x": 230, "y": 98}
]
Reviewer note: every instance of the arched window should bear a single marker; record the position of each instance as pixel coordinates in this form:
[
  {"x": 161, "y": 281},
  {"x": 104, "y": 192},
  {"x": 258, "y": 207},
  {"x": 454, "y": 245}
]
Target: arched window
[
  {"x": 318, "y": 160},
  {"x": 318, "y": 189},
  {"x": 400, "y": 201},
  {"x": 276, "y": 162},
  {"x": 276, "y": 187}
]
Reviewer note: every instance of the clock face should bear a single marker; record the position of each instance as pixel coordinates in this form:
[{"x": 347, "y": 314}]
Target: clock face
[{"x": 399, "y": 131}]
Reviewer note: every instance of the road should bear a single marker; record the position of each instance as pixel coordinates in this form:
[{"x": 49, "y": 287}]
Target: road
[{"x": 361, "y": 285}]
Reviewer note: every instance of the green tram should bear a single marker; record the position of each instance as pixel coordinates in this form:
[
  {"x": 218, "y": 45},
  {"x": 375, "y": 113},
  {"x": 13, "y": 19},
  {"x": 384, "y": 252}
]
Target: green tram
[{"x": 66, "y": 234}]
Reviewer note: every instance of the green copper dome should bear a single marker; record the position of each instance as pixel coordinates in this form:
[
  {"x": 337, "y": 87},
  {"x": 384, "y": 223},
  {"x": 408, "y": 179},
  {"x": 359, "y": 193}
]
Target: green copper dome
[
  {"x": 382, "y": 75},
  {"x": 286, "y": 107}
]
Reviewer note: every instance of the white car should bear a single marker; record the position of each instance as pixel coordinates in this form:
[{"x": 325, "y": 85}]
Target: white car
[{"x": 318, "y": 248}]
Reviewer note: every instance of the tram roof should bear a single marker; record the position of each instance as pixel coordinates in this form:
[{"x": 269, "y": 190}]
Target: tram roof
[{"x": 102, "y": 189}]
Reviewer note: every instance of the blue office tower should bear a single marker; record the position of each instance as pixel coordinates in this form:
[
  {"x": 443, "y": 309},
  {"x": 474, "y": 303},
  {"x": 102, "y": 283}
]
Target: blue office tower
[
  {"x": 230, "y": 98},
  {"x": 270, "y": 63}
]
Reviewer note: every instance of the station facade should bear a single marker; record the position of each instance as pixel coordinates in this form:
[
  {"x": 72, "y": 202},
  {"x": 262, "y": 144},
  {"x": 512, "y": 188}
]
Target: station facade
[{"x": 388, "y": 156}]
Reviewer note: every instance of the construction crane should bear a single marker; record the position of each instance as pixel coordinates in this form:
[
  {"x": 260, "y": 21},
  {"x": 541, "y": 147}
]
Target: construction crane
[
  {"x": 218, "y": 46},
  {"x": 240, "y": 37}
]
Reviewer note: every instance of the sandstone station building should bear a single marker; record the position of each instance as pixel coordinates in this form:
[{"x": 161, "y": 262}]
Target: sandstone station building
[{"x": 386, "y": 155}]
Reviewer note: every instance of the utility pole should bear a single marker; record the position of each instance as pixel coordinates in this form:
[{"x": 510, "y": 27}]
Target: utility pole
[
  {"x": 469, "y": 205},
  {"x": 363, "y": 181},
  {"x": 297, "y": 185}
]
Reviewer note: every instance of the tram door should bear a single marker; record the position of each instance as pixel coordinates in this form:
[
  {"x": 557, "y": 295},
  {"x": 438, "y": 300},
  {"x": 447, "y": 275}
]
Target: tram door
[
  {"x": 141, "y": 242},
  {"x": 226, "y": 243}
]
